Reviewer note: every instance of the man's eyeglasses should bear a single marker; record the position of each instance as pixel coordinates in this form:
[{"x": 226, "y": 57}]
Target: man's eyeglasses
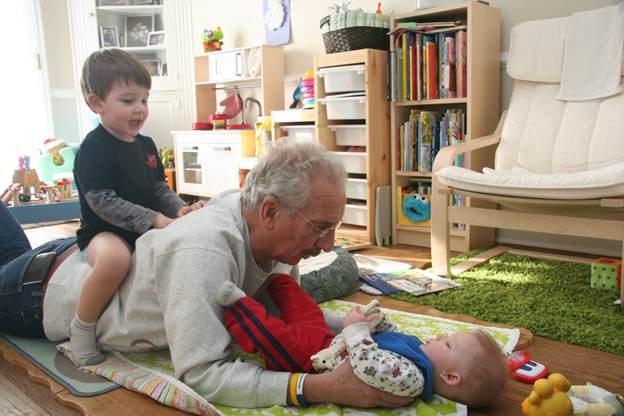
[{"x": 321, "y": 231}]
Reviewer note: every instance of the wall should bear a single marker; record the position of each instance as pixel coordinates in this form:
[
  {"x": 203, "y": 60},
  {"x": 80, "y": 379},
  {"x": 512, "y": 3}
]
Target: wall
[{"x": 57, "y": 39}]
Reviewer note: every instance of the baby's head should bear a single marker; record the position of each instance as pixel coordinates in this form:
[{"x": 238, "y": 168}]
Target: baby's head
[
  {"x": 106, "y": 67},
  {"x": 468, "y": 367}
]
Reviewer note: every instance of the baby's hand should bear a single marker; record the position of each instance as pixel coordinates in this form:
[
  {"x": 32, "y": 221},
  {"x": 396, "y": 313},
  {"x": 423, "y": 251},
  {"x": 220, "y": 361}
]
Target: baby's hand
[
  {"x": 354, "y": 316},
  {"x": 190, "y": 208},
  {"x": 161, "y": 221}
]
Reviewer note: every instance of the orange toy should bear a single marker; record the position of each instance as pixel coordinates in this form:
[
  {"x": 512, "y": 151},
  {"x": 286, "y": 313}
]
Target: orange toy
[{"x": 549, "y": 397}]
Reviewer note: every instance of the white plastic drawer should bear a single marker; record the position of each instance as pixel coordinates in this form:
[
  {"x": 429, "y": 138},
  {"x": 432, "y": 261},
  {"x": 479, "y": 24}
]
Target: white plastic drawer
[
  {"x": 356, "y": 188},
  {"x": 350, "y": 135},
  {"x": 355, "y": 214},
  {"x": 345, "y": 106},
  {"x": 343, "y": 78},
  {"x": 354, "y": 162},
  {"x": 299, "y": 132}
]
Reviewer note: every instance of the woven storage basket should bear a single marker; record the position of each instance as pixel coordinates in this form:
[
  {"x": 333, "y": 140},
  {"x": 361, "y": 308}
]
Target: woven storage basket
[{"x": 356, "y": 37}]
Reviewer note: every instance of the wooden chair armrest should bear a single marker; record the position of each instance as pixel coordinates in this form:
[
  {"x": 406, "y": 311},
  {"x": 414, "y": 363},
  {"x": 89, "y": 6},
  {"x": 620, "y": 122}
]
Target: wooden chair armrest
[{"x": 446, "y": 155}]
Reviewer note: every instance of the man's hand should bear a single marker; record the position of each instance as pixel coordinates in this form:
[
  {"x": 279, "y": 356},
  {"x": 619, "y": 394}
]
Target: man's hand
[
  {"x": 161, "y": 221},
  {"x": 190, "y": 208},
  {"x": 341, "y": 386}
]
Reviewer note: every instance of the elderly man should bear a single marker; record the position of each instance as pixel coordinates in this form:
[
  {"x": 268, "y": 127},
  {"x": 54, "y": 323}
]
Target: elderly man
[{"x": 289, "y": 208}]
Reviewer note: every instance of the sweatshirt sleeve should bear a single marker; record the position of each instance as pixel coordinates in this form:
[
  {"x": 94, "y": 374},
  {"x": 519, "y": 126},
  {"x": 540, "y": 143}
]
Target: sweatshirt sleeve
[
  {"x": 168, "y": 201},
  {"x": 379, "y": 368},
  {"x": 198, "y": 340}
]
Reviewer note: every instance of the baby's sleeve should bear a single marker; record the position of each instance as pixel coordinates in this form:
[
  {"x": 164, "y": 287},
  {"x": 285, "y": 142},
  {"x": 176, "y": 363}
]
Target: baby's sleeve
[{"x": 382, "y": 369}]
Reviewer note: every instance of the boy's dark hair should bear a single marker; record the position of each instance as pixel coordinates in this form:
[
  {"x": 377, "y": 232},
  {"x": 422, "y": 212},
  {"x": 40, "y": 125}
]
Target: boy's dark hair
[{"x": 105, "y": 67}]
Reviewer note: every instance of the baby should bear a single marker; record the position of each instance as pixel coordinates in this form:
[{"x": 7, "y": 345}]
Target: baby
[{"x": 467, "y": 366}]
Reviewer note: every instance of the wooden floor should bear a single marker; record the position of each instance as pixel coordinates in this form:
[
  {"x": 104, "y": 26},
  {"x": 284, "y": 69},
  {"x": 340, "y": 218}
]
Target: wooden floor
[{"x": 20, "y": 395}]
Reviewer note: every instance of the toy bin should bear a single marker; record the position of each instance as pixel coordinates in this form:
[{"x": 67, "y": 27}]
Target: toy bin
[
  {"x": 347, "y": 78},
  {"x": 350, "y": 135},
  {"x": 356, "y": 188},
  {"x": 354, "y": 162},
  {"x": 351, "y": 106},
  {"x": 299, "y": 132},
  {"x": 355, "y": 214}
]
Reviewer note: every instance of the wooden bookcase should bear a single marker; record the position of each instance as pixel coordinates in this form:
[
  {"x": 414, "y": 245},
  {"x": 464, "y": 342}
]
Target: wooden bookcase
[
  {"x": 375, "y": 123},
  {"x": 481, "y": 106}
]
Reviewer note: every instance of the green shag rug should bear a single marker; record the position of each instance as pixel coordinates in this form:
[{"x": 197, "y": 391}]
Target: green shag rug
[{"x": 552, "y": 299}]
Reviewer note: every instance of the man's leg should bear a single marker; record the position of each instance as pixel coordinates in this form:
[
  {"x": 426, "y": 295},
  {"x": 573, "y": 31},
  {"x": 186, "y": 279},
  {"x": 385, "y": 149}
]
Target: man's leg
[{"x": 13, "y": 241}]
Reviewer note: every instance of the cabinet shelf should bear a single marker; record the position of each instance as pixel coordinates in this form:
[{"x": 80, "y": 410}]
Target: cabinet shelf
[
  {"x": 414, "y": 174},
  {"x": 438, "y": 101},
  {"x": 236, "y": 81},
  {"x": 140, "y": 49},
  {"x": 131, "y": 10}
]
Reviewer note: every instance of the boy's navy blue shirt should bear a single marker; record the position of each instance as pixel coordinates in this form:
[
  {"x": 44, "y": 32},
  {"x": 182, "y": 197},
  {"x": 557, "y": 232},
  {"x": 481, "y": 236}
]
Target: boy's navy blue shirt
[{"x": 131, "y": 169}]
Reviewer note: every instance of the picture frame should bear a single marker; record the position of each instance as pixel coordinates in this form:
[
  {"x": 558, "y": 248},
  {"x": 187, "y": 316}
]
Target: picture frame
[
  {"x": 156, "y": 38},
  {"x": 152, "y": 66},
  {"x": 113, "y": 2},
  {"x": 138, "y": 29},
  {"x": 109, "y": 37}
]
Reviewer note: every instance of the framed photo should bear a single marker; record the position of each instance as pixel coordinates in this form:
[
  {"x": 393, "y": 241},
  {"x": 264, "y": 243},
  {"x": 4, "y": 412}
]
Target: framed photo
[
  {"x": 109, "y": 37},
  {"x": 156, "y": 38},
  {"x": 152, "y": 66},
  {"x": 138, "y": 29},
  {"x": 113, "y": 2}
]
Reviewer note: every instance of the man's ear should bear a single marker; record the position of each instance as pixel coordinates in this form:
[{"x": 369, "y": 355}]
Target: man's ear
[
  {"x": 451, "y": 378},
  {"x": 269, "y": 212},
  {"x": 95, "y": 102}
]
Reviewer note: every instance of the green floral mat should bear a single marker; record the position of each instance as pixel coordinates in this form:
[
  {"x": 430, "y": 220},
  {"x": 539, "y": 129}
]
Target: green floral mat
[{"x": 152, "y": 373}]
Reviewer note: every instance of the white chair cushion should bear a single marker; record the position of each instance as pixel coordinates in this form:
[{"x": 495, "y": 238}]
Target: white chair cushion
[
  {"x": 598, "y": 183},
  {"x": 545, "y": 135}
]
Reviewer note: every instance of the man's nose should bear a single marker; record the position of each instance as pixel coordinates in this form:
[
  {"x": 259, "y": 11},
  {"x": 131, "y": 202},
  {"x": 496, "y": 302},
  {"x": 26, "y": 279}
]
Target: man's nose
[{"x": 326, "y": 242}]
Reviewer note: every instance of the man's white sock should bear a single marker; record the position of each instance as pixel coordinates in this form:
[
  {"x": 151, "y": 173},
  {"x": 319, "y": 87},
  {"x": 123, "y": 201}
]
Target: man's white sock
[{"x": 83, "y": 345}]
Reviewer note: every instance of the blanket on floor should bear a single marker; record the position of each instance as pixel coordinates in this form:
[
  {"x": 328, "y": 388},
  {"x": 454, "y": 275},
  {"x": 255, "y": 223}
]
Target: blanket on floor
[{"x": 151, "y": 373}]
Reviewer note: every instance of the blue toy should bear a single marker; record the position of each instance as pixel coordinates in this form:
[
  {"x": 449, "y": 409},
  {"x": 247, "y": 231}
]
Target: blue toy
[{"x": 416, "y": 207}]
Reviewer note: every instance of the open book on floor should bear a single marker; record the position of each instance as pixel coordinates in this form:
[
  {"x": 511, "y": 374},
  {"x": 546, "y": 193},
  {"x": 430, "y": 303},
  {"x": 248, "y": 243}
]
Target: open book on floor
[{"x": 414, "y": 281}]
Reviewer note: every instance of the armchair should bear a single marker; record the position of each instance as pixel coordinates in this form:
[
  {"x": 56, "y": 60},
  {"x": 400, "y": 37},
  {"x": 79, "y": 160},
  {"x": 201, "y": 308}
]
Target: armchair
[{"x": 559, "y": 165}]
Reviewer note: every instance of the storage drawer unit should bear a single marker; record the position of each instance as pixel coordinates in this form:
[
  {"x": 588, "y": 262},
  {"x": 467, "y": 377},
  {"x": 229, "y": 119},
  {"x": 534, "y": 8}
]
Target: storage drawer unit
[
  {"x": 355, "y": 214},
  {"x": 350, "y": 106},
  {"x": 347, "y": 78},
  {"x": 357, "y": 188},
  {"x": 350, "y": 135},
  {"x": 354, "y": 162}
]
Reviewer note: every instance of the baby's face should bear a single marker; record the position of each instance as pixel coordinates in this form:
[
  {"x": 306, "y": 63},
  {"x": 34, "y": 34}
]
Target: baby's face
[{"x": 447, "y": 352}]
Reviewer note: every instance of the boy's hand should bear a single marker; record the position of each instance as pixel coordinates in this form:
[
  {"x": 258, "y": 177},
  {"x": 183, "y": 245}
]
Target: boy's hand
[
  {"x": 354, "y": 316},
  {"x": 161, "y": 221},
  {"x": 190, "y": 208}
]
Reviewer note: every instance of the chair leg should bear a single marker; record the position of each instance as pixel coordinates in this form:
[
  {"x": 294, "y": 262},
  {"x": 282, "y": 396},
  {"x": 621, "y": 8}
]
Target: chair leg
[
  {"x": 440, "y": 232},
  {"x": 622, "y": 279}
]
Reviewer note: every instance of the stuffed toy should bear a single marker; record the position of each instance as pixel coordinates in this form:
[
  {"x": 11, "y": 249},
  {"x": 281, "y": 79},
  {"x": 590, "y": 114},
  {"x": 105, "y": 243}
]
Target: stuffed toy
[
  {"x": 416, "y": 207},
  {"x": 53, "y": 146}
]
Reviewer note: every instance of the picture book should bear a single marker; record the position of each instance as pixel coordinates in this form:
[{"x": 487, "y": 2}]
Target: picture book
[{"x": 418, "y": 282}]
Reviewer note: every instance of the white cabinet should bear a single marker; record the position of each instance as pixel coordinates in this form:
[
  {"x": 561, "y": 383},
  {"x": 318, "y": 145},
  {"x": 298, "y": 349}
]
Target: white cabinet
[{"x": 207, "y": 161}]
